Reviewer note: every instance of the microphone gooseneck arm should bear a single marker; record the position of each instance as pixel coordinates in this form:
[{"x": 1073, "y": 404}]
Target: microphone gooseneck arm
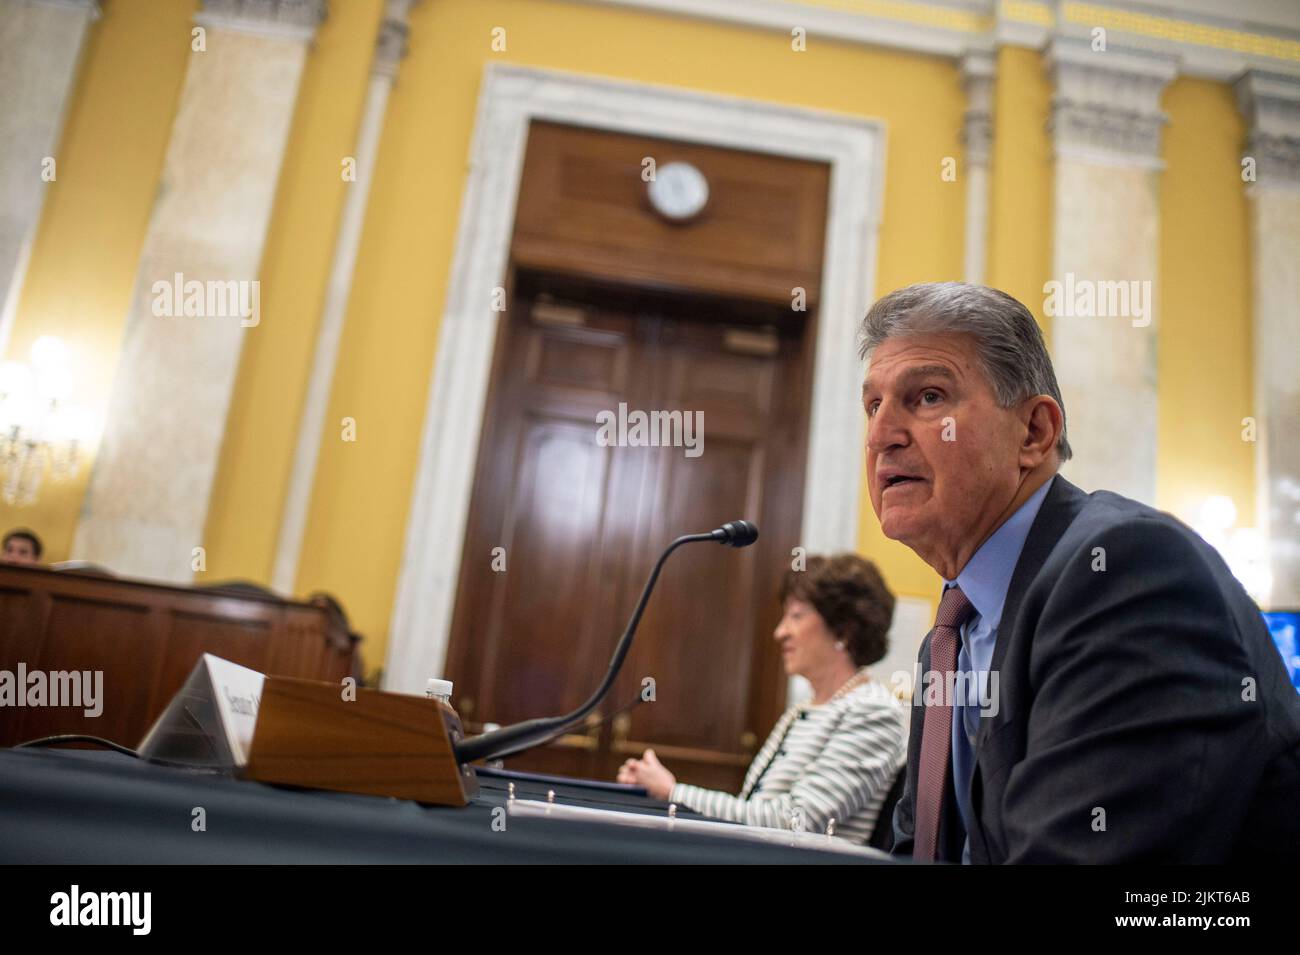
[
  {"x": 520, "y": 736},
  {"x": 584, "y": 726}
]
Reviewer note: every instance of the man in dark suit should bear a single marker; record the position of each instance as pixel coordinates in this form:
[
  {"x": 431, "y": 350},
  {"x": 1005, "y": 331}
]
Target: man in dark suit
[{"x": 1097, "y": 686}]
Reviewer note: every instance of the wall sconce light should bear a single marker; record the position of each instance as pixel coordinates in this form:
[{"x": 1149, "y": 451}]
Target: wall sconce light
[{"x": 40, "y": 432}]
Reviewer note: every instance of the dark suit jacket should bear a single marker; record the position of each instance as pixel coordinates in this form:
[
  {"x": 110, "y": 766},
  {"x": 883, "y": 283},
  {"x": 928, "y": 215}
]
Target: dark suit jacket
[{"x": 1144, "y": 712}]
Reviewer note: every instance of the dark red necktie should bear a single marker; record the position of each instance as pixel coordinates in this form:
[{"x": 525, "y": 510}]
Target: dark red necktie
[{"x": 936, "y": 733}]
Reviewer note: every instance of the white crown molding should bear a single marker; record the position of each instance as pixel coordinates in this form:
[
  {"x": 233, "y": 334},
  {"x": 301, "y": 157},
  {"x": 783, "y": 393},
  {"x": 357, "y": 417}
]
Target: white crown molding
[
  {"x": 280, "y": 19},
  {"x": 1028, "y": 24},
  {"x": 834, "y": 24},
  {"x": 1208, "y": 39},
  {"x": 1106, "y": 105},
  {"x": 89, "y": 7},
  {"x": 511, "y": 98},
  {"x": 1270, "y": 102},
  {"x": 1217, "y": 43}
]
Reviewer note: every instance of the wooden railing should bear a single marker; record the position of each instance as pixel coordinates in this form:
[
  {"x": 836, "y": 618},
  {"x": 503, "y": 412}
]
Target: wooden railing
[{"x": 142, "y": 639}]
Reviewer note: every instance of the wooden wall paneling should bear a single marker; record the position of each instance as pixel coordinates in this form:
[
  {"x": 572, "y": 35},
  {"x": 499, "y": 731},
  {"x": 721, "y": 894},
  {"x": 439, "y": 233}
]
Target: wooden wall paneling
[
  {"x": 146, "y": 639},
  {"x": 584, "y": 210}
]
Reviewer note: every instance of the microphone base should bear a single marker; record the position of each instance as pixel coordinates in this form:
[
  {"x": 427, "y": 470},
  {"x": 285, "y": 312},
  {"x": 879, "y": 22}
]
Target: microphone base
[{"x": 379, "y": 744}]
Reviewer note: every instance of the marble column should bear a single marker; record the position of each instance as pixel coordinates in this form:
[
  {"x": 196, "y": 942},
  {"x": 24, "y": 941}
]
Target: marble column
[
  {"x": 1102, "y": 297},
  {"x": 390, "y": 48},
  {"x": 978, "y": 68},
  {"x": 40, "y": 47},
  {"x": 1271, "y": 106},
  {"x": 196, "y": 290}
]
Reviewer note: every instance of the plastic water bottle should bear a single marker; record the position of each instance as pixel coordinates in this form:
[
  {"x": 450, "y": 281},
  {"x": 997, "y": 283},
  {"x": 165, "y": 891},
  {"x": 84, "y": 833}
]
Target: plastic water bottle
[{"x": 439, "y": 690}]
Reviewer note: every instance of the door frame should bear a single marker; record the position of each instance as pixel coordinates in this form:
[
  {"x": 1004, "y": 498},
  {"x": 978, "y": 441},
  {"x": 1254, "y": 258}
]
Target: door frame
[{"x": 510, "y": 99}]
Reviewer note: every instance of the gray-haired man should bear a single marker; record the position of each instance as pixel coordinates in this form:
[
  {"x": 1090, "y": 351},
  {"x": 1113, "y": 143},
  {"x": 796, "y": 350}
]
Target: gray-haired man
[{"x": 1097, "y": 686}]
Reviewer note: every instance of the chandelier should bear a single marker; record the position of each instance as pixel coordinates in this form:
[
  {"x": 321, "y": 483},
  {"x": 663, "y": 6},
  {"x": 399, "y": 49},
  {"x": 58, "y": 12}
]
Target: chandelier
[{"x": 41, "y": 434}]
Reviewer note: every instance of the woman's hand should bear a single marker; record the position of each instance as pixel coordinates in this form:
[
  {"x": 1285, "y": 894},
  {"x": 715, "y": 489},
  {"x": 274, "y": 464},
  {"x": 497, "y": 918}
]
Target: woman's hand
[{"x": 650, "y": 773}]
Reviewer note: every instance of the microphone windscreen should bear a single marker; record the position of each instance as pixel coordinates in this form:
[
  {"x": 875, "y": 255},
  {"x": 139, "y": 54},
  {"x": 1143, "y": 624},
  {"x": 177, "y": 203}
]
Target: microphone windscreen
[{"x": 739, "y": 533}]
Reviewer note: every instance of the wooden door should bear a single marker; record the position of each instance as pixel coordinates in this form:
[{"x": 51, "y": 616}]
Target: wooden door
[{"x": 562, "y": 530}]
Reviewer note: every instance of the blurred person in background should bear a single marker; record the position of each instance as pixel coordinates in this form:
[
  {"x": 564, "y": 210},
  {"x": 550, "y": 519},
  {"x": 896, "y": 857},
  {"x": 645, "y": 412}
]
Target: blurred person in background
[{"x": 835, "y": 756}]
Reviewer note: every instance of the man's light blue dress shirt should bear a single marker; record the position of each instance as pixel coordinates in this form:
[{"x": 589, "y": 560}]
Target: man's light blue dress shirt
[{"x": 984, "y": 580}]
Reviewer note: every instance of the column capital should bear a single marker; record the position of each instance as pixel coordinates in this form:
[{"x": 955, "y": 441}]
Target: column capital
[
  {"x": 978, "y": 69},
  {"x": 89, "y": 7},
  {"x": 1106, "y": 104},
  {"x": 290, "y": 19},
  {"x": 1270, "y": 103},
  {"x": 394, "y": 33}
]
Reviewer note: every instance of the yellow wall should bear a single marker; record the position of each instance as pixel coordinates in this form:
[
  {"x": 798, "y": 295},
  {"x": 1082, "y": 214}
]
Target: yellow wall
[
  {"x": 117, "y": 131},
  {"x": 1019, "y": 249},
  {"x": 1020, "y": 194},
  {"x": 257, "y": 452},
  {"x": 1205, "y": 342},
  {"x": 361, "y": 500},
  {"x": 88, "y": 241}
]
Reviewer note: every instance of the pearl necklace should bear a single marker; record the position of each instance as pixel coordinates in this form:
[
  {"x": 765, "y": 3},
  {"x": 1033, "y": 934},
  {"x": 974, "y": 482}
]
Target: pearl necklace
[{"x": 852, "y": 683}]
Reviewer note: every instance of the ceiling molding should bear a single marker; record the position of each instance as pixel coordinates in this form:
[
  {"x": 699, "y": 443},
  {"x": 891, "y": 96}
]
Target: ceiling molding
[{"x": 1218, "y": 44}]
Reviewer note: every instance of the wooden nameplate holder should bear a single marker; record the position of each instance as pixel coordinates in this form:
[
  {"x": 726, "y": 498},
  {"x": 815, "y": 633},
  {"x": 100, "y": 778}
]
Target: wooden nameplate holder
[{"x": 382, "y": 744}]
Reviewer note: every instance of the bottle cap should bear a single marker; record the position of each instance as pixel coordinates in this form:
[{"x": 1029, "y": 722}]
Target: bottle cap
[{"x": 438, "y": 688}]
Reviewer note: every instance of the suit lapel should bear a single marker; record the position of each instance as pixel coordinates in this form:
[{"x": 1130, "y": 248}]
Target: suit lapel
[{"x": 1059, "y": 509}]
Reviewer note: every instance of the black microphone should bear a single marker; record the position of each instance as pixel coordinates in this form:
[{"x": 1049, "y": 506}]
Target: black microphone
[
  {"x": 520, "y": 736},
  {"x": 736, "y": 534}
]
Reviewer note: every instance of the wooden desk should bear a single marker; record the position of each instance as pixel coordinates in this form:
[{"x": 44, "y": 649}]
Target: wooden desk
[{"x": 145, "y": 638}]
